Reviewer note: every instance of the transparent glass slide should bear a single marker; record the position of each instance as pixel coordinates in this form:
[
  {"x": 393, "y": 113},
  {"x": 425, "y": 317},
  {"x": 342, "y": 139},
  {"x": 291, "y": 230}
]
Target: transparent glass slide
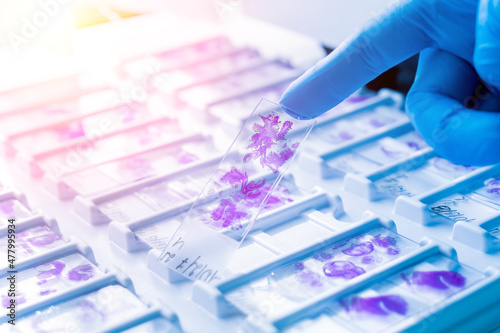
[{"x": 224, "y": 212}]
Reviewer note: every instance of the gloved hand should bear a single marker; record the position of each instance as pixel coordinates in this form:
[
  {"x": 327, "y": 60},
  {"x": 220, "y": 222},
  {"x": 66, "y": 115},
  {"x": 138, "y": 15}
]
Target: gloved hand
[{"x": 458, "y": 41}]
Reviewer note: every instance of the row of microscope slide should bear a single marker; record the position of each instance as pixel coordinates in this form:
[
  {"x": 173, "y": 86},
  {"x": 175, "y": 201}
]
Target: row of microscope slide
[{"x": 138, "y": 165}]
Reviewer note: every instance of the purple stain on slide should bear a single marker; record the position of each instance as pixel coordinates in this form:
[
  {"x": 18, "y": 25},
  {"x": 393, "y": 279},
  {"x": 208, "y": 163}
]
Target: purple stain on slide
[
  {"x": 234, "y": 177},
  {"x": 379, "y": 305},
  {"x": 43, "y": 240},
  {"x": 89, "y": 310},
  {"x": 227, "y": 215},
  {"x": 185, "y": 157},
  {"x": 140, "y": 165},
  {"x": 445, "y": 165},
  {"x": 344, "y": 136},
  {"x": 20, "y": 299},
  {"x": 47, "y": 292},
  {"x": 5, "y": 301},
  {"x": 265, "y": 138},
  {"x": 368, "y": 260},
  {"x": 7, "y": 207},
  {"x": 493, "y": 186},
  {"x": 390, "y": 153},
  {"x": 81, "y": 273},
  {"x": 493, "y": 182},
  {"x": 322, "y": 256},
  {"x": 385, "y": 242},
  {"x": 275, "y": 160},
  {"x": 393, "y": 251},
  {"x": 70, "y": 132},
  {"x": 338, "y": 246},
  {"x": 311, "y": 278},
  {"x": 26, "y": 238},
  {"x": 299, "y": 265},
  {"x": 236, "y": 84},
  {"x": 494, "y": 190},
  {"x": 231, "y": 210},
  {"x": 251, "y": 190},
  {"x": 55, "y": 268},
  {"x": 325, "y": 256},
  {"x": 237, "y": 178},
  {"x": 376, "y": 123},
  {"x": 341, "y": 268},
  {"x": 441, "y": 280},
  {"x": 129, "y": 114},
  {"x": 145, "y": 138},
  {"x": 413, "y": 145},
  {"x": 361, "y": 249},
  {"x": 25, "y": 247},
  {"x": 273, "y": 200}
]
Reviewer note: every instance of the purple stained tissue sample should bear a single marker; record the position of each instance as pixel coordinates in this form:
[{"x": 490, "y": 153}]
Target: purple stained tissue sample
[
  {"x": 368, "y": 260},
  {"x": 391, "y": 153},
  {"x": 342, "y": 136},
  {"x": 357, "y": 250},
  {"x": 445, "y": 165},
  {"x": 13, "y": 208},
  {"x": 35, "y": 237},
  {"x": 277, "y": 199},
  {"x": 231, "y": 210},
  {"x": 70, "y": 132},
  {"x": 441, "y": 280},
  {"x": 342, "y": 268},
  {"x": 323, "y": 256},
  {"x": 311, "y": 278},
  {"x": 305, "y": 276},
  {"x": 139, "y": 165},
  {"x": 7, "y": 208},
  {"x": 20, "y": 299},
  {"x": 236, "y": 178},
  {"x": 129, "y": 114},
  {"x": 267, "y": 137},
  {"x": 47, "y": 292},
  {"x": 379, "y": 305},
  {"x": 299, "y": 266},
  {"x": 387, "y": 242},
  {"x": 43, "y": 240},
  {"x": 338, "y": 246},
  {"x": 493, "y": 186},
  {"x": 270, "y": 146},
  {"x": 393, "y": 251},
  {"x": 413, "y": 145},
  {"x": 227, "y": 214},
  {"x": 88, "y": 310},
  {"x": 81, "y": 273},
  {"x": 384, "y": 241},
  {"x": 56, "y": 268},
  {"x": 185, "y": 157},
  {"x": 377, "y": 123}
]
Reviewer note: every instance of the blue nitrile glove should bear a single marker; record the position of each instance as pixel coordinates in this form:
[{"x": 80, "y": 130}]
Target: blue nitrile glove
[{"x": 458, "y": 40}]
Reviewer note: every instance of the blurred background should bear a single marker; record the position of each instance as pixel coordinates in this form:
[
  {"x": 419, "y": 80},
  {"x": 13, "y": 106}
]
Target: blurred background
[{"x": 40, "y": 39}]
